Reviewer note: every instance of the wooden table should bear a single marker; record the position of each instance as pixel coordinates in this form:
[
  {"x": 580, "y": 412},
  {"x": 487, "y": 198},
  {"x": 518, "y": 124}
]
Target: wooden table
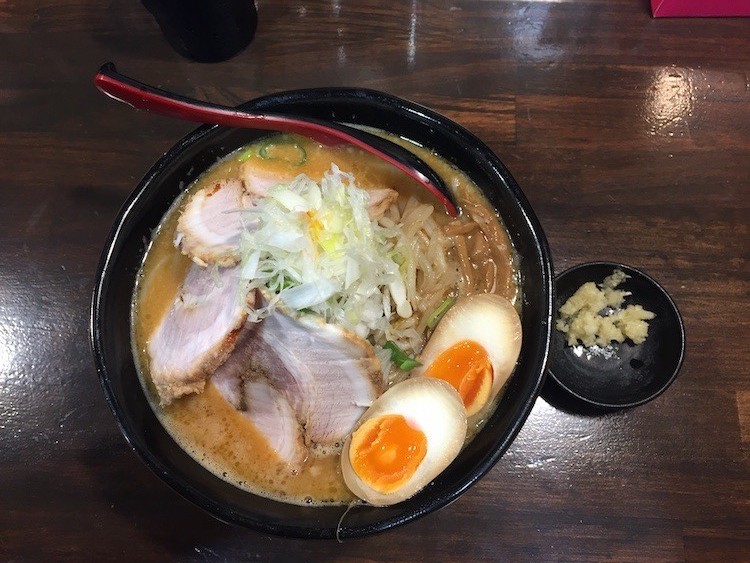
[{"x": 631, "y": 138}]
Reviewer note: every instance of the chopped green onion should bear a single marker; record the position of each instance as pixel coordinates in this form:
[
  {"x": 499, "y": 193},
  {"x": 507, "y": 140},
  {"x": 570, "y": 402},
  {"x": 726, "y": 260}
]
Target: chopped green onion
[
  {"x": 273, "y": 150},
  {"x": 400, "y": 358},
  {"x": 246, "y": 155},
  {"x": 438, "y": 313}
]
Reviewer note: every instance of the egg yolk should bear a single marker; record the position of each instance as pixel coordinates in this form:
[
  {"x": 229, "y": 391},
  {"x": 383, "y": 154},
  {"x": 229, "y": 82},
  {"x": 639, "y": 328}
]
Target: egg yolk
[
  {"x": 466, "y": 366},
  {"x": 386, "y": 451}
]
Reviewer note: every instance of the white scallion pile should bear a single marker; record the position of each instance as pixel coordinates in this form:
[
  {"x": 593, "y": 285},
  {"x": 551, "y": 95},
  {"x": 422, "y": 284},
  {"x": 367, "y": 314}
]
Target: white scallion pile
[{"x": 314, "y": 247}]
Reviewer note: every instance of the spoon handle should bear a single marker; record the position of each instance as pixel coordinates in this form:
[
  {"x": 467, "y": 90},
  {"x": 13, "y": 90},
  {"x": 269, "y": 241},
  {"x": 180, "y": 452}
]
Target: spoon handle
[{"x": 150, "y": 98}]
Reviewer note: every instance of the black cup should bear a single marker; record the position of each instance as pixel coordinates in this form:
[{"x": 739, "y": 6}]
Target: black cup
[{"x": 206, "y": 30}]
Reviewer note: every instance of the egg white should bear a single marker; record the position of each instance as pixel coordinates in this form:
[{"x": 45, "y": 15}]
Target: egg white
[{"x": 430, "y": 405}]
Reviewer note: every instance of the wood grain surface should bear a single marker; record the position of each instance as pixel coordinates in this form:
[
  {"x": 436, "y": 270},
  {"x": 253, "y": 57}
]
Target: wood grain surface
[{"x": 630, "y": 137}]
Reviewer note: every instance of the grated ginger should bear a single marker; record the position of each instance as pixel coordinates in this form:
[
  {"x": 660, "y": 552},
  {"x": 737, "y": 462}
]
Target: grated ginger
[{"x": 594, "y": 315}]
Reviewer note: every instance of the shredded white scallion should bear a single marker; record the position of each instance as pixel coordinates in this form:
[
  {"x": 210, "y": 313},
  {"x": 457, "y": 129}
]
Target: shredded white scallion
[{"x": 315, "y": 246}]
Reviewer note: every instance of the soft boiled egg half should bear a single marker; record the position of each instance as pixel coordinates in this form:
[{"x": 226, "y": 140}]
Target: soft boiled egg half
[
  {"x": 409, "y": 435},
  {"x": 474, "y": 348}
]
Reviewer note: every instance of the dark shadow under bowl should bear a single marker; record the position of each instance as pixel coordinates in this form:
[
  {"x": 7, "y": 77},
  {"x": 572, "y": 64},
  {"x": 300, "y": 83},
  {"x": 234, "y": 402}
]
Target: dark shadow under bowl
[{"x": 123, "y": 253}]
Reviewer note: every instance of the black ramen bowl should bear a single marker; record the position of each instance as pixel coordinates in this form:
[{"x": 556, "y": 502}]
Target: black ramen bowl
[{"x": 110, "y": 317}]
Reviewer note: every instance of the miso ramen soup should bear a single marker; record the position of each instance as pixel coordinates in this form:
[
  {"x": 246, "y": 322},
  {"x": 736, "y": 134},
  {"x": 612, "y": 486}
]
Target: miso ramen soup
[{"x": 291, "y": 285}]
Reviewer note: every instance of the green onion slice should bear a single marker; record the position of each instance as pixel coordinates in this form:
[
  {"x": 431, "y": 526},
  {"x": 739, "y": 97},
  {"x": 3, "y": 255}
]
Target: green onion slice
[
  {"x": 438, "y": 313},
  {"x": 290, "y": 151},
  {"x": 401, "y": 358},
  {"x": 246, "y": 155}
]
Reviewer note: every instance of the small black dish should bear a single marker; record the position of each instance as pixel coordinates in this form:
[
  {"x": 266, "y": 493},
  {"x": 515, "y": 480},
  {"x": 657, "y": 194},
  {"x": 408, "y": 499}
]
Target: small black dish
[{"x": 620, "y": 375}]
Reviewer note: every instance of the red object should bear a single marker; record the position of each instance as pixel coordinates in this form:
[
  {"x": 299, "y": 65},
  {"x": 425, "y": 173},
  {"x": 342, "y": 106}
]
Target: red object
[
  {"x": 699, "y": 8},
  {"x": 143, "y": 96}
]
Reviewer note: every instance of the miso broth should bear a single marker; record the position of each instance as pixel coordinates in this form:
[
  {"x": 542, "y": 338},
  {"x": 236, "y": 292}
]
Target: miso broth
[{"x": 205, "y": 424}]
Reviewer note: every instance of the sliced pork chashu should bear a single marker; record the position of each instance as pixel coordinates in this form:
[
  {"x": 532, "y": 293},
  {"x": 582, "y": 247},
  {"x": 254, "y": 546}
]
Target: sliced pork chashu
[
  {"x": 328, "y": 375},
  {"x": 210, "y": 225},
  {"x": 198, "y": 332},
  {"x": 261, "y": 402},
  {"x": 267, "y": 408},
  {"x": 272, "y": 415},
  {"x": 257, "y": 180}
]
